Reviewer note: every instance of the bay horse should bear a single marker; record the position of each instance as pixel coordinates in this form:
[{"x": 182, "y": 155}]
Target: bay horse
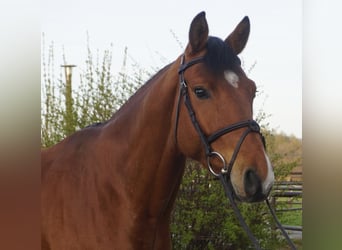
[{"x": 113, "y": 185}]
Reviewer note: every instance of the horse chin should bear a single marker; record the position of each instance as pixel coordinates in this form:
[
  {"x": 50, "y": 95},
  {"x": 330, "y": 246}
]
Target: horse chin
[
  {"x": 238, "y": 197},
  {"x": 249, "y": 199}
]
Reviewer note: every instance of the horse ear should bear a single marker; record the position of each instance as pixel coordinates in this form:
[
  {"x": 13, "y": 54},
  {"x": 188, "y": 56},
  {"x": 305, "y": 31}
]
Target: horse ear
[
  {"x": 238, "y": 38},
  {"x": 198, "y": 34}
]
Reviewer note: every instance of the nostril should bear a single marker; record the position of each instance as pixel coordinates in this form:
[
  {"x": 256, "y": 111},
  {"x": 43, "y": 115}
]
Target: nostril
[{"x": 252, "y": 183}]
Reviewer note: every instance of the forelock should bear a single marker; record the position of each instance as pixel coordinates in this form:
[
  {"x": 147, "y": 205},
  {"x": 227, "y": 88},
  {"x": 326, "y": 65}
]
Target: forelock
[{"x": 220, "y": 56}]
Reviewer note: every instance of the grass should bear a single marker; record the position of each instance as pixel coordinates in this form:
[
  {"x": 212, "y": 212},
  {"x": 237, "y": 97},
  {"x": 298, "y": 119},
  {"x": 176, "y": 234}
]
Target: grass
[
  {"x": 298, "y": 244},
  {"x": 290, "y": 217}
]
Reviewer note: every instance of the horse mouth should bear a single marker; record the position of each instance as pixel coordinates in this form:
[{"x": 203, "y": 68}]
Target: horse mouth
[
  {"x": 254, "y": 198},
  {"x": 250, "y": 199}
]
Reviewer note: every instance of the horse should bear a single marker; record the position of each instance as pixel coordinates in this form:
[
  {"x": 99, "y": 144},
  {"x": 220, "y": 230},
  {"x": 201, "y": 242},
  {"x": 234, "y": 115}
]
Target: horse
[{"x": 113, "y": 185}]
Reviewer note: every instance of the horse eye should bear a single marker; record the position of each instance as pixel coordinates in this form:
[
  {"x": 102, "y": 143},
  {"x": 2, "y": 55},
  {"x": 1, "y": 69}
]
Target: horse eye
[{"x": 201, "y": 93}]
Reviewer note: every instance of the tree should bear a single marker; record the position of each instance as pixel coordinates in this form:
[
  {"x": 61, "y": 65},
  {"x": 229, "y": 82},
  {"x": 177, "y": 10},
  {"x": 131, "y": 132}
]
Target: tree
[{"x": 98, "y": 95}]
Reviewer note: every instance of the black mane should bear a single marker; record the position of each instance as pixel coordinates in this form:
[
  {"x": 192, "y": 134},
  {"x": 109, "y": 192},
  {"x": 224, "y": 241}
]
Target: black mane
[{"x": 220, "y": 56}]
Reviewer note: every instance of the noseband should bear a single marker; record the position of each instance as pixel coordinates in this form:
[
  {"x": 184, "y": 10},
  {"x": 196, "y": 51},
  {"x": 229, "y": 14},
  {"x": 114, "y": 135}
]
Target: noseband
[
  {"x": 224, "y": 176},
  {"x": 250, "y": 125}
]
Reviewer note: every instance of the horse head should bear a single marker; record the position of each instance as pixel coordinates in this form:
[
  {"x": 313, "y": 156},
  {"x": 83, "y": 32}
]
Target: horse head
[{"x": 214, "y": 114}]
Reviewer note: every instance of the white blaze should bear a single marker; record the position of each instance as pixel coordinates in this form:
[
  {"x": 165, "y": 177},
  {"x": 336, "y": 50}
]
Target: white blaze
[
  {"x": 231, "y": 78},
  {"x": 267, "y": 184}
]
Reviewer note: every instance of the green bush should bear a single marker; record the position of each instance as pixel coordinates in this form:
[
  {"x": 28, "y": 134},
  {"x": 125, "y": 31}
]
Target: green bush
[{"x": 204, "y": 219}]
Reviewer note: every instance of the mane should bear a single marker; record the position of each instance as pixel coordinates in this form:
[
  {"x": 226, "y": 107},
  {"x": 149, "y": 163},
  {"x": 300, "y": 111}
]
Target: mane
[
  {"x": 94, "y": 125},
  {"x": 220, "y": 56}
]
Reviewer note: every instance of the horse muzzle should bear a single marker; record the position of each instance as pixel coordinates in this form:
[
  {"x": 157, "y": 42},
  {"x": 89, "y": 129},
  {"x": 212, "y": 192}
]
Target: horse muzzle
[{"x": 253, "y": 187}]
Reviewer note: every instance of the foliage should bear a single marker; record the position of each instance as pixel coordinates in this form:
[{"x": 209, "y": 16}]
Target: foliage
[
  {"x": 202, "y": 217},
  {"x": 207, "y": 220},
  {"x": 285, "y": 153},
  {"x": 99, "y": 94},
  {"x": 52, "y": 112}
]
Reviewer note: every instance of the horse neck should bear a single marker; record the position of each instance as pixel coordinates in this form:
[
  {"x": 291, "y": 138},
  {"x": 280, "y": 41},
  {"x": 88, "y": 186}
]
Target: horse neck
[{"x": 149, "y": 159}]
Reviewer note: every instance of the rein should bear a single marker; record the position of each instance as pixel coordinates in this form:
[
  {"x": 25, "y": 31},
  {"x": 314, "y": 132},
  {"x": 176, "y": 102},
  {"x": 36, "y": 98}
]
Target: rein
[{"x": 224, "y": 176}]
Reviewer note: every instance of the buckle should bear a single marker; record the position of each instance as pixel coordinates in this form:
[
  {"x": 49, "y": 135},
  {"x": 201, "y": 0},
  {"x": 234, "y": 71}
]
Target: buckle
[{"x": 254, "y": 126}]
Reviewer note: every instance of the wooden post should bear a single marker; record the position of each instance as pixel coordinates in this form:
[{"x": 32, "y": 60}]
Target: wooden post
[{"x": 69, "y": 123}]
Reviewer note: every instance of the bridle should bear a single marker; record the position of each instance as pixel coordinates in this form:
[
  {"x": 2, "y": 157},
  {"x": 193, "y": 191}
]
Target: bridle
[{"x": 250, "y": 126}]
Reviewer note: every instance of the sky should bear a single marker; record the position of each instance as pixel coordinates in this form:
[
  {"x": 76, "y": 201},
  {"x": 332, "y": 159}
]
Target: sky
[{"x": 146, "y": 28}]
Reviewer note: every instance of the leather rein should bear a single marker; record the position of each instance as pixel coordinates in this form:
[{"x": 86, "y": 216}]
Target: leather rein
[{"x": 224, "y": 175}]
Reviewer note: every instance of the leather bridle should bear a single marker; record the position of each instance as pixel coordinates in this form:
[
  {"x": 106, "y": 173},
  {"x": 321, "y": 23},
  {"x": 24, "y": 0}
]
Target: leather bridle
[{"x": 250, "y": 126}]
